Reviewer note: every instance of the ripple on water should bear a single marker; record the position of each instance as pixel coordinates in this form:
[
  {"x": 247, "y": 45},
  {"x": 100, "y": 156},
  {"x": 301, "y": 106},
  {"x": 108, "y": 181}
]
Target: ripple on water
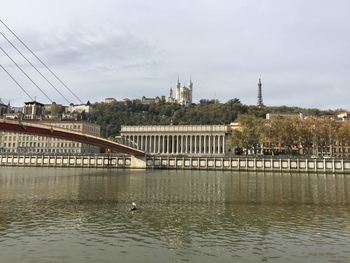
[{"x": 182, "y": 216}]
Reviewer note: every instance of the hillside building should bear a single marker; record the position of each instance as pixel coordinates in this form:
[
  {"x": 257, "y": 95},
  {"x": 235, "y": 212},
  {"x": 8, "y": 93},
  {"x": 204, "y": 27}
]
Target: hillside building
[
  {"x": 183, "y": 94},
  {"x": 4, "y": 108}
]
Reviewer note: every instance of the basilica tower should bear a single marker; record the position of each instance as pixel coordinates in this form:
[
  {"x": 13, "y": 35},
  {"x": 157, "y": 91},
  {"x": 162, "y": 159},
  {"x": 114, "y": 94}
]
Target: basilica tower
[
  {"x": 190, "y": 85},
  {"x": 178, "y": 88}
]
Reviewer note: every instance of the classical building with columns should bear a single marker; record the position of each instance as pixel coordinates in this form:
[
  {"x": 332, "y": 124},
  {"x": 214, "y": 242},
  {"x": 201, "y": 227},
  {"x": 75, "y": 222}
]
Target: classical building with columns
[{"x": 195, "y": 140}]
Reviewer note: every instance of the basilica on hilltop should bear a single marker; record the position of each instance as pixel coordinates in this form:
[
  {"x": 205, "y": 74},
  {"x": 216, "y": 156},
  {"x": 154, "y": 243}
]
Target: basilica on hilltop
[{"x": 183, "y": 95}]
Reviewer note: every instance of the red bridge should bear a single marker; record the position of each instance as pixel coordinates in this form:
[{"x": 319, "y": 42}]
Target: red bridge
[{"x": 49, "y": 131}]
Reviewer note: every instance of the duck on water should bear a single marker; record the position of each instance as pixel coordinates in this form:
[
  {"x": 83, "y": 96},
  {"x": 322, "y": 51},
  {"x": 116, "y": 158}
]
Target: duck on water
[{"x": 133, "y": 207}]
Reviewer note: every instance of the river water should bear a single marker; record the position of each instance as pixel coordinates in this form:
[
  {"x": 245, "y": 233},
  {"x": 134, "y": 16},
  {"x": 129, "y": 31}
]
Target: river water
[{"x": 82, "y": 215}]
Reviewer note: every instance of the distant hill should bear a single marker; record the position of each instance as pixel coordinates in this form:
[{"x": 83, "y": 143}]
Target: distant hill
[{"x": 112, "y": 115}]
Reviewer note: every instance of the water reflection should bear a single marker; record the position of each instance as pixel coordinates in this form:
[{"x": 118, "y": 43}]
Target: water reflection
[
  {"x": 183, "y": 214},
  {"x": 173, "y": 186}
]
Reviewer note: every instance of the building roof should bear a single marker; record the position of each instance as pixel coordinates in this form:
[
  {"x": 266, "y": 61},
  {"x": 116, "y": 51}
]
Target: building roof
[{"x": 34, "y": 103}]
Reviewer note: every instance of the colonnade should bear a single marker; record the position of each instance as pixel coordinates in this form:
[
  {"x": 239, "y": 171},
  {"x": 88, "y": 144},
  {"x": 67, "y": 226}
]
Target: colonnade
[{"x": 203, "y": 144}]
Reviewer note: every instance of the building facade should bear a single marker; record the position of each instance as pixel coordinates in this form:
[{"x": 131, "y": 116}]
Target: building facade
[
  {"x": 33, "y": 110},
  {"x": 147, "y": 101},
  {"x": 80, "y": 107},
  {"x": 191, "y": 140},
  {"x": 25, "y": 143},
  {"x": 3, "y": 108}
]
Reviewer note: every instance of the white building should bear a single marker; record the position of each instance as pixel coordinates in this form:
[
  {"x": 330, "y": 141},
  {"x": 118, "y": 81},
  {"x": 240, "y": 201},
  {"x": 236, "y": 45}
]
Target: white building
[
  {"x": 183, "y": 94},
  {"x": 110, "y": 100},
  {"x": 191, "y": 140},
  {"x": 25, "y": 143},
  {"x": 145, "y": 100},
  {"x": 80, "y": 107}
]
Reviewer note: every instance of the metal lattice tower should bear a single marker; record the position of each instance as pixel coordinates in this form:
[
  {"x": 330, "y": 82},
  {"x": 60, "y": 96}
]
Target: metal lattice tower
[{"x": 260, "y": 102}]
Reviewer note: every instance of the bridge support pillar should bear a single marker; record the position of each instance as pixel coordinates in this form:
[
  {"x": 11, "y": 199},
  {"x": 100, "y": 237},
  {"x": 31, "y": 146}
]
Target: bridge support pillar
[{"x": 138, "y": 162}]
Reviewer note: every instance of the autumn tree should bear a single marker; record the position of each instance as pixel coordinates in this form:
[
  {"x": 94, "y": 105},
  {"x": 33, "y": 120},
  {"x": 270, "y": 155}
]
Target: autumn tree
[{"x": 248, "y": 137}]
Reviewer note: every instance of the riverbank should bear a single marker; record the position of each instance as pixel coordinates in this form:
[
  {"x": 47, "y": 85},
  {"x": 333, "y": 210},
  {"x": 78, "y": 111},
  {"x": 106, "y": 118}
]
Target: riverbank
[{"x": 241, "y": 163}]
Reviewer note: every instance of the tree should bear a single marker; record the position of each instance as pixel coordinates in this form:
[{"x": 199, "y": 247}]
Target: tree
[{"x": 248, "y": 138}]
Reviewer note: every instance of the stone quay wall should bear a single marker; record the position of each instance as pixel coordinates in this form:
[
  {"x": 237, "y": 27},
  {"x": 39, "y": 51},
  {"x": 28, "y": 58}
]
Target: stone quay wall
[
  {"x": 74, "y": 161},
  {"x": 321, "y": 165}
]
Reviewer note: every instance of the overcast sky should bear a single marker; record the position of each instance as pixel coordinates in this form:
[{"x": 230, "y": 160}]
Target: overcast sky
[{"x": 131, "y": 48}]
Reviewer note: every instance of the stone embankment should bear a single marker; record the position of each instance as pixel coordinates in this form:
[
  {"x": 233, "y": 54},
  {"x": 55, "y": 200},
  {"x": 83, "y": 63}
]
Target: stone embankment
[{"x": 331, "y": 165}]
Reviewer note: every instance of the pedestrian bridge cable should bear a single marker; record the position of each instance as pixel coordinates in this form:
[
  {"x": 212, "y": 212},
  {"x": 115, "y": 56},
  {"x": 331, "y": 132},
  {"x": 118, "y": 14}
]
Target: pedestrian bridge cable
[
  {"x": 19, "y": 85},
  {"x": 37, "y": 70},
  {"x": 59, "y": 79},
  {"x": 31, "y": 80}
]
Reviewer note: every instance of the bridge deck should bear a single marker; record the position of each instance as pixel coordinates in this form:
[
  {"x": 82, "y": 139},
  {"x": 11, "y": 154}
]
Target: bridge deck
[{"x": 50, "y": 131}]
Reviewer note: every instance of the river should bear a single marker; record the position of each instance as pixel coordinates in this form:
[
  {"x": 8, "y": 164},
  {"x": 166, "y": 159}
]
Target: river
[{"x": 82, "y": 215}]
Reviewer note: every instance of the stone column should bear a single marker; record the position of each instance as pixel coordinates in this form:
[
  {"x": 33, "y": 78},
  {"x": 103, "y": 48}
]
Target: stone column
[
  {"x": 173, "y": 144},
  {"x": 152, "y": 143},
  {"x": 223, "y": 144},
  {"x": 219, "y": 144},
  {"x": 167, "y": 144},
  {"x": 147, "y": 144},
  {"x": 209, "y": 143},
  {"x": 214, "y": 145},
  {"x": 159, "y": 144},
  {"x": 182, "y": 144},
  {"x": 195, "y": 144},
  {"x": 205, "y": 144},
  {"x": 177, "y": 144},
  {"x": 155, "y": 144},
  {"x": 186, "y": 144},
  {"x": 191, "y": 143},
  {"x": 200, "y": 144}
]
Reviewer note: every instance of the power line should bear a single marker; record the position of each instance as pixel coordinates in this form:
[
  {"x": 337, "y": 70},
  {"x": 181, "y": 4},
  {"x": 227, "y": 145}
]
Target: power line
[
  {"x": 26, "y": 74},
  {"x": 33, "y": 66},
  {"x": 19, "y": 85},
  {"x": 42, "y": 63}
]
